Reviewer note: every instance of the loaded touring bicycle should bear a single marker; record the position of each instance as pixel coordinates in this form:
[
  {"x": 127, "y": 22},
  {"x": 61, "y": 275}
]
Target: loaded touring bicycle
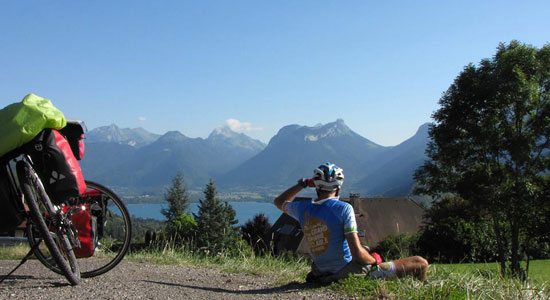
[{"x": 76, "y": 228}]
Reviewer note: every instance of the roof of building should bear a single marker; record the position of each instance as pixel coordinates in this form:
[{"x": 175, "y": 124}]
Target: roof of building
[
  {"x": 286, "y": 234},
  {"x": 379, "y": 217}
]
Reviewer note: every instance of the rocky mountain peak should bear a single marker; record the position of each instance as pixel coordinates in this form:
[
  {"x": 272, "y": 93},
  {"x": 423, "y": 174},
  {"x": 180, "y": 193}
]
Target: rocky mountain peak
[
  {"x": 337, "y": 128},
  {"x": 222, "y": 132},
  {"x": 172, "y": 136},
  {"x": 125, "y": 136},
  {"x": 229, "y": 138}
]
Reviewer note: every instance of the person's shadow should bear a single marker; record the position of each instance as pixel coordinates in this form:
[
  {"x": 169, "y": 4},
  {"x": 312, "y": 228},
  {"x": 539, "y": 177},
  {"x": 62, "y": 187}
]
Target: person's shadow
[{"x": 287, "y": 288}]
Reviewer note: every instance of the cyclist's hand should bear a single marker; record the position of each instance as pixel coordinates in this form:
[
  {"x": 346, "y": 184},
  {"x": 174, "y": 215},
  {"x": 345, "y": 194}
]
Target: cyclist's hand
[
  {"x": 306, "y": 182},
  {"x": 377, "y": 257}
]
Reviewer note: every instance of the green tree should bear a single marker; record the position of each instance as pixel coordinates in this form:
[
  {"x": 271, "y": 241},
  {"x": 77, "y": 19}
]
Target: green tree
[
  {"x": 216, "y": 222},
  {"x": 177, "y": 198},
  {"x": 490, "y": 143}
]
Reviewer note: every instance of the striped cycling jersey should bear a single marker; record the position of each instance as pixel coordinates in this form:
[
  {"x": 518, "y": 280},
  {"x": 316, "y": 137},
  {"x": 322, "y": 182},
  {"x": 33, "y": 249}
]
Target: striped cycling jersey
[{"x": 325, "y": 223}]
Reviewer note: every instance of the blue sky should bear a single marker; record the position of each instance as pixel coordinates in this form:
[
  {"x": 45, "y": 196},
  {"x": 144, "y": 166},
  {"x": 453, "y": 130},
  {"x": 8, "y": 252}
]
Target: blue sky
[{"x": 193, "y": 66}]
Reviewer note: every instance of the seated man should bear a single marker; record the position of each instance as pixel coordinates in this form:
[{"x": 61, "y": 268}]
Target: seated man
[{"x": 330, "y": 230}]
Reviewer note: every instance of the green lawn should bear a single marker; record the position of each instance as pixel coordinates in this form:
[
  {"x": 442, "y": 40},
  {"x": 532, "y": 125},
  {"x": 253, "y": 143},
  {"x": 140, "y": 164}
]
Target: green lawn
[
  {"x": 455, "y": 282},
  {"x": 539, "y": 270}
]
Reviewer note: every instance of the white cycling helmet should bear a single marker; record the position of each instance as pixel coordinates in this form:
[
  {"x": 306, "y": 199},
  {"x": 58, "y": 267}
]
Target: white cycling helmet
[{"x": 328, "y": 177}]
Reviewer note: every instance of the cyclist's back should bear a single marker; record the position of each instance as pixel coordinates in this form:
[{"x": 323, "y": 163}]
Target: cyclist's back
[{"x": 324, "y": 224}]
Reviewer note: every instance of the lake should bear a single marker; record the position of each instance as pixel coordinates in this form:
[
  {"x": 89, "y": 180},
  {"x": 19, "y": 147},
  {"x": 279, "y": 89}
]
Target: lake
[{"x": 244, "y": 210}]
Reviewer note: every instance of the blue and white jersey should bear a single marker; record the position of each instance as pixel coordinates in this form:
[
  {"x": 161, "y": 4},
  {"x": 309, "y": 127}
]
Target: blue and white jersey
[{"x": 325, "y": 224}]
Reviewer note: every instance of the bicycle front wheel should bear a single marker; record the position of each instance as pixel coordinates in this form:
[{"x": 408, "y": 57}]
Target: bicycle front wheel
[
  {"x": 114, "y": 232},
  {"x": 45, "y": 219}
]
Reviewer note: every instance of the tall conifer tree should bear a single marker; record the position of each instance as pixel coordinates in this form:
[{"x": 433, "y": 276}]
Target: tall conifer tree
[
  {"x": 177, "y": 198},
  {"x": 215, "y": 222}
]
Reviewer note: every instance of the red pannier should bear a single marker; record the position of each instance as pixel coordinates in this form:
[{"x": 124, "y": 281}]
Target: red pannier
[
  {"x": 56, "y": 165},
  {"x": 85, "y": 222},
  {"x": 74, "y": 133}
]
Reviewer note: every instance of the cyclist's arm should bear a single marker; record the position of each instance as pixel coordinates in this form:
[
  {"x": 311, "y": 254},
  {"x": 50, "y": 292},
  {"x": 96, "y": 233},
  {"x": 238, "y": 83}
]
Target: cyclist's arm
[
  {"x": 359, "y": 254},
  {"x": 287, "y": 196}
]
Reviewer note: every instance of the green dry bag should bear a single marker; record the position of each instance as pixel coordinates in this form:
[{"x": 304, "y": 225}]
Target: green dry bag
[{"x": 21, "y": 122}]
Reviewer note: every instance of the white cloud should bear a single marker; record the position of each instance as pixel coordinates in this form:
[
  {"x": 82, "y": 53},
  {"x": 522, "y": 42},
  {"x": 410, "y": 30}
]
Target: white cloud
[
  {"x": 142, "y": 119},
  {"x": 239, "y": 126}
]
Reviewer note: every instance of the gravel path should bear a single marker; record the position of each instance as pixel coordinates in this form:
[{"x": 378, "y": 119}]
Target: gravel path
[{"x": 132, "y": 280}]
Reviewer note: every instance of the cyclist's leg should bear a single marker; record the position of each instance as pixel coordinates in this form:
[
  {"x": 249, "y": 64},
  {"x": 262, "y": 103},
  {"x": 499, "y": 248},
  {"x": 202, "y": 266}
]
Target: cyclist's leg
[{"x": 414, "y": 266}]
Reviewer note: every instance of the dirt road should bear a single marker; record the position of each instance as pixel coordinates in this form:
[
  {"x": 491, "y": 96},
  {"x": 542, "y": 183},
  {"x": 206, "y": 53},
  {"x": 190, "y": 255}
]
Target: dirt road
[{"x": 131, "y": 280}]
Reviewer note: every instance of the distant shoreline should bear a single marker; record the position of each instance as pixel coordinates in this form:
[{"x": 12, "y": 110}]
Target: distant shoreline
[
  {"x": 126, "y": 201},
  {"x": 244, "y": 210}
]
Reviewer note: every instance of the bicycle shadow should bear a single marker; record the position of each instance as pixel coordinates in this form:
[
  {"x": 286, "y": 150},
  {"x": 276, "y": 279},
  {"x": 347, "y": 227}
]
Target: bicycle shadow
[
  {"x": 14, "y": 277},
  {"x": 287, "y": 288},
  {"x": 13, "y": 281}
]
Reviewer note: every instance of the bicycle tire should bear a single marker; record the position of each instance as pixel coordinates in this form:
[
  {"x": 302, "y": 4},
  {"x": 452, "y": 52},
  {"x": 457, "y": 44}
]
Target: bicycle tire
[
  {"x": 42, "y": 212},
  {"x": 95, "y": 265}
]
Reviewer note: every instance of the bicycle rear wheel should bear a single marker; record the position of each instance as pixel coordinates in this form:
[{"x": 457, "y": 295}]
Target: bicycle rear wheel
[
  {"x": 114, "y": 233},
  {"x": 46, "y": 219}
]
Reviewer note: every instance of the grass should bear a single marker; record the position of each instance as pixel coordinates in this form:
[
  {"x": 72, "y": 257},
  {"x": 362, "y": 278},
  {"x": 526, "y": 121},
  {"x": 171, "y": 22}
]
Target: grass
[
  {"x": 284, "y": 269},
  {"x": 455, "y": 281},
  {"x": 14, "y": 252},
  {"x": 539, "y": 270},
  {"x": 445, "y": 281}
]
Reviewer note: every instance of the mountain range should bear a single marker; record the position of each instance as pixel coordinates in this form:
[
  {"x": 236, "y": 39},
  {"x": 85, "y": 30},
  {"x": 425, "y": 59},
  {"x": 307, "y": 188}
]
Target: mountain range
[{"x": 135, "y": 161}]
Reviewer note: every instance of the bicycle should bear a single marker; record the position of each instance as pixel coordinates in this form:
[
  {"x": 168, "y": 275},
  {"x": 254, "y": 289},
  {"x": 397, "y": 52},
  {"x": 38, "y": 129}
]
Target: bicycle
[
  {"x": 107, "y": 217},
  {"x": 107, "y": 212},
  {"x": 22, "y": 183}
]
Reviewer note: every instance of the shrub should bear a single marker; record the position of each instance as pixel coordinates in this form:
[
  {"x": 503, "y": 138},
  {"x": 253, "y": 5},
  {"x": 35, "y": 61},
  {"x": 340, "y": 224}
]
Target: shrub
[
  {"x": 254, "y": 232},
  {"x": 455, "y": 240},
  {"x": 181, "y": 230},
  {"x": 397, "y": 246},
  {"x": 453, "y": 233}
]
